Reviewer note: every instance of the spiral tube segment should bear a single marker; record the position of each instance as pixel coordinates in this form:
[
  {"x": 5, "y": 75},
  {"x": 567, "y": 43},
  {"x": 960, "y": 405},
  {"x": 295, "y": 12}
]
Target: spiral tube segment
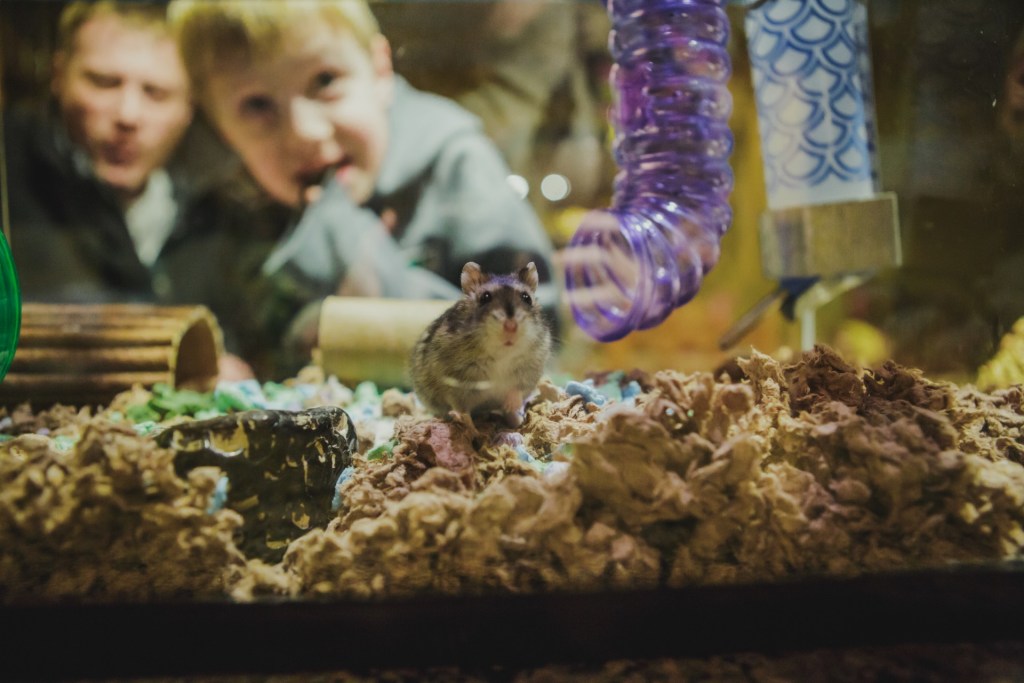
[{"x": 629, "y": 266}]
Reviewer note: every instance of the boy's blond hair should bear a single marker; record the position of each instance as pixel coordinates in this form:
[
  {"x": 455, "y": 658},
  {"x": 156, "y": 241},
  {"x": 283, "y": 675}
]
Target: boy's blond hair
[
  {"x": 211, "y": 32},
  {"x": 76, "y": 14}
]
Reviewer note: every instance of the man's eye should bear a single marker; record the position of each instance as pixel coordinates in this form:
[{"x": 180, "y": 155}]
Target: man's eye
[
  {"x": 157, "y": 94},
  {"x": 103, "y": 80}
]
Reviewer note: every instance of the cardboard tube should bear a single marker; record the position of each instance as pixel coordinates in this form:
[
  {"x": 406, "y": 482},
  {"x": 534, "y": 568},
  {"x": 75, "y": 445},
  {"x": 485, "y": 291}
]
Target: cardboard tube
[{"x": 370, "y": 339}]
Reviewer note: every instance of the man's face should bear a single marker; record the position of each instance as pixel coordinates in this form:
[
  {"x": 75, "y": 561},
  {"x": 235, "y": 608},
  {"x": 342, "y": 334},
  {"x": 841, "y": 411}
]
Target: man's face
[
  {"x": 124, "y": 96},
  {"x": 318, "y": 108},
  {"x": 1013, "y": 94}
]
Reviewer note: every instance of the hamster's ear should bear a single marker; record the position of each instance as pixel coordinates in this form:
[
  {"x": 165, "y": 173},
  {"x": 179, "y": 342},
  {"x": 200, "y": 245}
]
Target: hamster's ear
[
  {"x": 472, "y": 278},
  {"x": 528, "y": 275}
]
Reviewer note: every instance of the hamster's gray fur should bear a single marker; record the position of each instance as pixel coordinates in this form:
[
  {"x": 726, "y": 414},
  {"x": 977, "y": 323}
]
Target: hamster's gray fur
[{"x": 487, "y": 352}]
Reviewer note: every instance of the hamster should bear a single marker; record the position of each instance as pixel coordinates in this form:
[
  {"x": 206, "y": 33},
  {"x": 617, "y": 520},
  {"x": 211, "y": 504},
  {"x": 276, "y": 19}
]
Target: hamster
[{"x": 487, "y": 352}]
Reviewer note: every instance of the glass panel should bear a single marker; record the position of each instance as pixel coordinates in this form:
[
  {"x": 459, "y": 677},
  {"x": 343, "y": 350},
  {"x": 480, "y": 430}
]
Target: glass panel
[{"x": 281, "y": 342}]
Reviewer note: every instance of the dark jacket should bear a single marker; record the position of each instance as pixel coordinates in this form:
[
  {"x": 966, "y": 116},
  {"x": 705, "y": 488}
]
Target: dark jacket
[
  {"x": 70, "y": 241},
  {"x": 68, "y": 234}
]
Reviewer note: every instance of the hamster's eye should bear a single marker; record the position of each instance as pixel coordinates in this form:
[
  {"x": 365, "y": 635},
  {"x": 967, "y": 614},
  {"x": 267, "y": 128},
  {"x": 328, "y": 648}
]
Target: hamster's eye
[
  {"x": 526, "y": 299},
  {"x": 485, "y": 298}
]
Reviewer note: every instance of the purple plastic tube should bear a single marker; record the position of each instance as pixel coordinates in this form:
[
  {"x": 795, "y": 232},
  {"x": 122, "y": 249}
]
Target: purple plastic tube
[{"x": 629, "y": 266}]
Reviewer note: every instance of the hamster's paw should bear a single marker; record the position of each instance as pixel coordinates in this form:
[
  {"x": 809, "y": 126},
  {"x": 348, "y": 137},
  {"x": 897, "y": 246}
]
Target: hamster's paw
[
  {"x": 464, "y": 419},
  {"x": 514, "y": 418}
]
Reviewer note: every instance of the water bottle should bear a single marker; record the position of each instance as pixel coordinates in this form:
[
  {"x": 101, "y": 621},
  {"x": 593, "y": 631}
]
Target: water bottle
[{"x": 811, "y": 68}]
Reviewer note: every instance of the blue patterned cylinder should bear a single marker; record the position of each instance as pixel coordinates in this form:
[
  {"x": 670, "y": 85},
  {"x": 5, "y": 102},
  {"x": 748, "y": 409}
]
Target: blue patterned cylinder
[
  {"x": 628, "y": 267},
  {"x": 812, "y": 82}
]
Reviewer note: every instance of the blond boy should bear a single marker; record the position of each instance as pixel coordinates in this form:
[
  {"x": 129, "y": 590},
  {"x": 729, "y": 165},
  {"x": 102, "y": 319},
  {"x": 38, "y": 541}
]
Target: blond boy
[{"x": 392, "y": 190}]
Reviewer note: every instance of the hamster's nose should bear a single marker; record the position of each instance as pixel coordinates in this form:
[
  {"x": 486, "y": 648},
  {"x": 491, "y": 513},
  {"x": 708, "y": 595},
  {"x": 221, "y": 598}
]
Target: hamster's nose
[{"x": 511, "y": 326}]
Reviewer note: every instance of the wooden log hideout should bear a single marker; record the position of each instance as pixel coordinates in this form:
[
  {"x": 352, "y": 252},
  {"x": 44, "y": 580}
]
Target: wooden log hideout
[{"x": 80, "y": 354}]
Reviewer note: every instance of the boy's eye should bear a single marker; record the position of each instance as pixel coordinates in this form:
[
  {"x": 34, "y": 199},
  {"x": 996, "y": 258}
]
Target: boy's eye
[
  {"x": 485, "y": 298},
  {"x": 256, "y": 106},
  {"x": 324, "y": 80}
]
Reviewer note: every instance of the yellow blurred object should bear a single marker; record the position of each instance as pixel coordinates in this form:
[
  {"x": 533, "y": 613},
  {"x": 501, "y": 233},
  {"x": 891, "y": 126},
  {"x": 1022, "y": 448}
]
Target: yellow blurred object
[
  {"x": 563, "y": 223},
  {"x": 1006, "y": 367},
  {"x": 687, "y": 341},
  {"x": 861, "y": 343}
]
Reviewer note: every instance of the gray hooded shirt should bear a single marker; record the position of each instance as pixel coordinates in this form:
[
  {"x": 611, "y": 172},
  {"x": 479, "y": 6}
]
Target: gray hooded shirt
[
  {"x": 443, "y": 186},
  {"x": 444, "y": 192}
]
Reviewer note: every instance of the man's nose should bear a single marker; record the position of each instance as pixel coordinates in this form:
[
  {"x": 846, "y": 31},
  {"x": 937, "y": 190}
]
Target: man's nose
[{"x": 129, "y": 107}]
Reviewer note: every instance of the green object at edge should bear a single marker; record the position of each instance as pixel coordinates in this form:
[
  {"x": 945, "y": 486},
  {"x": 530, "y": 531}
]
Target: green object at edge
[{"x": 10, "y": 307}]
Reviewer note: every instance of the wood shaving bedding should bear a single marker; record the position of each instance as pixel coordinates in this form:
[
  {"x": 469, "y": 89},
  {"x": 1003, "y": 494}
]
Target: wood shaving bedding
[{"x": 814, "y": 467}]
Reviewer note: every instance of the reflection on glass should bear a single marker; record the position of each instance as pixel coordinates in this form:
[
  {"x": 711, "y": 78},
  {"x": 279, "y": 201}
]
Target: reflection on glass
[{"x": 625, "y": 469}]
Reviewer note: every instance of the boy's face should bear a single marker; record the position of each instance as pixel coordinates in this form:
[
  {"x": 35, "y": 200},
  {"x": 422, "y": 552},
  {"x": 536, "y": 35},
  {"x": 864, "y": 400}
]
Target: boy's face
[
  {"x": 318, "y": 107},
  {"x": 123, "y": 93}
]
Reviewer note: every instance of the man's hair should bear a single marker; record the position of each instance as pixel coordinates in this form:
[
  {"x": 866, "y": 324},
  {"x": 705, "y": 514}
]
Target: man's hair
[
  {"x": 76, "y": 14},
  {"x": 210, "y": 32}
]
